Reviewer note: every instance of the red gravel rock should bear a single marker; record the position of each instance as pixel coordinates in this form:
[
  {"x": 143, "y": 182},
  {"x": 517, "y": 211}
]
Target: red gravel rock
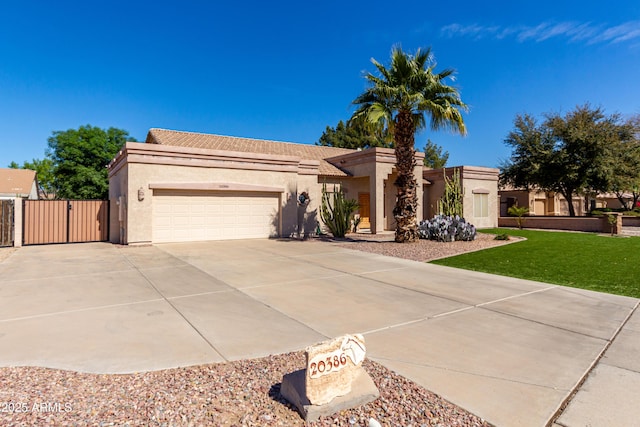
[
  {"x": 242, "y": 393},
  {"x": 421, "y": 250}
]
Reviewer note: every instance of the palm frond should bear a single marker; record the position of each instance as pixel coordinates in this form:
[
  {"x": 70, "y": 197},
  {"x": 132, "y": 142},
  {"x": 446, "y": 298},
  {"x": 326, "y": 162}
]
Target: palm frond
[{"x": 410, "y": 83}]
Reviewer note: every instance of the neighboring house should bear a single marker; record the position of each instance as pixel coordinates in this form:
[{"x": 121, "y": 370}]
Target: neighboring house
[
  {"x": 539, "y": 202},
  {"x": 185, "y": 186},
  {"x": 610, "y": 200},
  {"x": 550, "y": 203},
  {"x": 21, "y": 183}
]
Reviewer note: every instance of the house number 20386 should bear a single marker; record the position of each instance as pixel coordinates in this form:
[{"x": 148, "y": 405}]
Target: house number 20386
[{"x": 327, "y": 363}]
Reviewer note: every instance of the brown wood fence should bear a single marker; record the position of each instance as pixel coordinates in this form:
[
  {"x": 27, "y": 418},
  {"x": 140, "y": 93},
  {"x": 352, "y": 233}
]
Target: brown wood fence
[
  {"x": 6, "y": 222},
  {"x": 65, "y": 221}
]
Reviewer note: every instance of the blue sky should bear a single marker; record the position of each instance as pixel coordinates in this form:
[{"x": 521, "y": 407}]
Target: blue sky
[{"x": 286, "y": 70}]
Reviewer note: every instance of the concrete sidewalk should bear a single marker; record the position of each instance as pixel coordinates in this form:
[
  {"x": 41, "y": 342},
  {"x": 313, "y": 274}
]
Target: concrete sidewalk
[{"x": 511, "y": 351}]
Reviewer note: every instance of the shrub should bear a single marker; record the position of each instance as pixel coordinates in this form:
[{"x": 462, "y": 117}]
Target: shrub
[
  {"x": 445, "y": 228},
  {"x": 336, "y": 211},
  {"x": 503, "y": 236}
]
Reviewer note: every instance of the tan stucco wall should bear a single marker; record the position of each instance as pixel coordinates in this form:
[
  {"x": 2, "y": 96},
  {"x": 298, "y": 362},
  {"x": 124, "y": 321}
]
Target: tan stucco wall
[
  {"x": 390, "y": 197},
  {"x": 17, "y": 222},
  {"x": 141, "y": 171},
  {"x": 590, "y": 224},
  {"x": 378, "y": 165},
  {"x": 140, "y": 166},
  {"x": 432, "y": 193},
  {"x": 354, "y": 186},
  {"x": 118, "y": 191},
  {"x": 473, "y": 179},
  {"x": 471, "y": 185},
  {"x": 308, "y": 216}
]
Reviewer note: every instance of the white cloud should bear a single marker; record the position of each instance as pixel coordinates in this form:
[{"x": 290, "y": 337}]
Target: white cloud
[{"x": 573, "y": 32}]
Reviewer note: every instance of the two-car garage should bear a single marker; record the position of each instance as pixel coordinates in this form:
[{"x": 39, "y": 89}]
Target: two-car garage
[
  {"x": 166, "y": 193},
  {"x": 187, "y": 216}
]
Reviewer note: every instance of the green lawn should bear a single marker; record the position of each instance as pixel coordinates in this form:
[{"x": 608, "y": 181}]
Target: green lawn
[{"x": 581, "y": 260}]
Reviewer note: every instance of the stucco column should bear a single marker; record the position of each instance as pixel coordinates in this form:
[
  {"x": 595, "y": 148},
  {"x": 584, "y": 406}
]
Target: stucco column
[
  {"x": 376, "y": 191},
  {"x": 17, "y": 222}
]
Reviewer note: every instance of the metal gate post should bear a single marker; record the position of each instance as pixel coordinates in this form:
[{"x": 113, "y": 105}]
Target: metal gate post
[{"x": 68, "y": 219}]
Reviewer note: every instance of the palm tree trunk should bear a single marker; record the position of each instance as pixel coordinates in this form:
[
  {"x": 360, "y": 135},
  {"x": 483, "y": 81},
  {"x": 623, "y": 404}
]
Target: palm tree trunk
[{"x": 407, "y": 199}]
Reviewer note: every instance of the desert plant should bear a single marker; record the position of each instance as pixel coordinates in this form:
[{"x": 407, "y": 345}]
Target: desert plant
[
  {"x": 336, "y": 211},
  {"x": 450, "y": 204},
  {"x": 444, "y": 228},
  {"x": 519, "y": 212}
]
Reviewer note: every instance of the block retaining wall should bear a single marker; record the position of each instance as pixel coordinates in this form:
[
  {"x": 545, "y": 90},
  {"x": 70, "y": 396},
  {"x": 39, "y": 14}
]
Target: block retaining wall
[{"x": 599, "y": 224}]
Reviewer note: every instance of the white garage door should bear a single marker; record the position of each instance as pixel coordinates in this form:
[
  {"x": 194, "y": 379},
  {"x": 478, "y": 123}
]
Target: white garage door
[{"x": 187, "y": 216}]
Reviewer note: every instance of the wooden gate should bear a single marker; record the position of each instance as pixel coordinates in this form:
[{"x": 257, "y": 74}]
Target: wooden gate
[
  {"x": 65, "y": 221},
  {"x": 6, "y": 222}
]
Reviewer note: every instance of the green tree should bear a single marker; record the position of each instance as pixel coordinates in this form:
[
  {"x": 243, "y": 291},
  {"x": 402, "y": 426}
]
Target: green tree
[
  {"x": 532, "y": 149},
  {"x": 355, "y": 134},
  {"x": 567, "y": 154},
  {"x": 44, "y": 173},
  {"x": 434, "y": 157},
  {"x": 624, "y": 173},
  {"x": 402, "y": 97},
  {"x": 80, "y": 157}
]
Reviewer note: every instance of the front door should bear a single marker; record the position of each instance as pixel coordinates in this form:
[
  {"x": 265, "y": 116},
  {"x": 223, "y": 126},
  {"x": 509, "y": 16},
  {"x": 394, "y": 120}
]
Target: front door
[{"x": 363, "y": 201}]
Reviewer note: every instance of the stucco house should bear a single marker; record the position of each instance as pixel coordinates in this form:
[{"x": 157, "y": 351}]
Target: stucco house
[
  {"x": 186, "y": 186},
  {"x": 549, "y": 203},
  {"x": 20, "y": 183}
]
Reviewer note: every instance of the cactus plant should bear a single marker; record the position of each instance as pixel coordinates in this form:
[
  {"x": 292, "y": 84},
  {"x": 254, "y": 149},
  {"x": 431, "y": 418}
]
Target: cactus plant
[
  {"x": 450, "y": 204},
  {"x": 336, "y": 211}
]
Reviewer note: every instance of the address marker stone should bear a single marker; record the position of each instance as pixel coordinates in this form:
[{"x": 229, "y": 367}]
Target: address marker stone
[{"x": 333, "y": 380}]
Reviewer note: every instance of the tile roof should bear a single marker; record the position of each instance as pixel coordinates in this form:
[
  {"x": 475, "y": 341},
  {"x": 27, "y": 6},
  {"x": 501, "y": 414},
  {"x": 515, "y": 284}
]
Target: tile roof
[
  {"x": 16, "y": 181},
  {"x": 249, "y": 145}
]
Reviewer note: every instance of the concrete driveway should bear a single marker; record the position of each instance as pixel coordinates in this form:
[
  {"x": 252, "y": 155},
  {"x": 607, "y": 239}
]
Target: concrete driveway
[{"x": 511, "y": 351}]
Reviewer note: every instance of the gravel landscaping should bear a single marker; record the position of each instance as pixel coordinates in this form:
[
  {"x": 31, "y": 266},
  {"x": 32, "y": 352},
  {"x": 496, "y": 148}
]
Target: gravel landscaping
[
  {"x": 241, "y": 393},
  {"x": 422, "y": 250}
]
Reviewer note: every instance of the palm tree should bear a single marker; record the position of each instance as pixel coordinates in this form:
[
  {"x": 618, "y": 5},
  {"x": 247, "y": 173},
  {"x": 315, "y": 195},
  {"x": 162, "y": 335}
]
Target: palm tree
[{"x": 401, "y": 98}]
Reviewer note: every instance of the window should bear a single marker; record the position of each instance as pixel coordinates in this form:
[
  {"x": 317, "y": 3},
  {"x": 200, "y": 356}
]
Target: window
[{"x": 480, "y": 205}]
